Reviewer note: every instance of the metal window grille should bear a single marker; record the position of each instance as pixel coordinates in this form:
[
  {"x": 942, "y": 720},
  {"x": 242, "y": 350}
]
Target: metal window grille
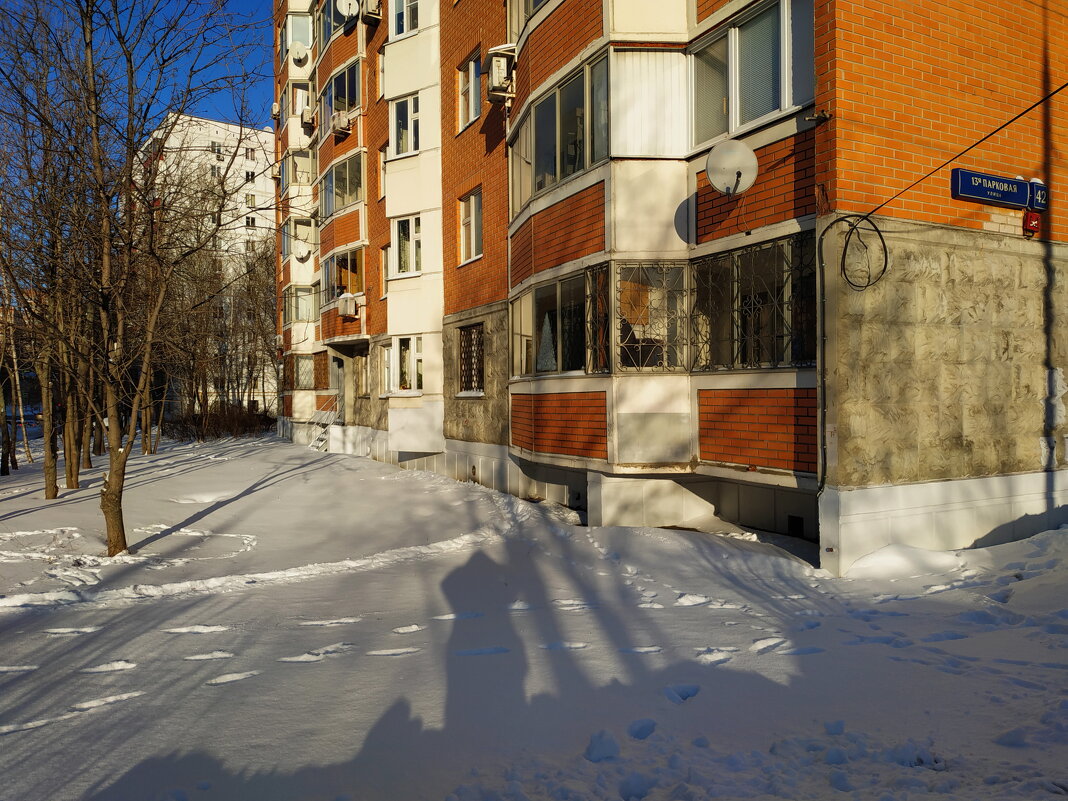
[
  {"x": 305, "y": 372},
  {"x": 651, "y": 315},
  {"x": 756, "y": 306},
  {"x": 598, "y": 320},
  {"x": 472, "y": 363}
]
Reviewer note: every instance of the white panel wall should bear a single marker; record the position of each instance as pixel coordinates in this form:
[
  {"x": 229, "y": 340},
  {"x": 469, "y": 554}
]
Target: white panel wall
[
  {"x": 664, "y": 20},
  {"x": 650, "y": 209},
  {"x": 650, "y": 114}
]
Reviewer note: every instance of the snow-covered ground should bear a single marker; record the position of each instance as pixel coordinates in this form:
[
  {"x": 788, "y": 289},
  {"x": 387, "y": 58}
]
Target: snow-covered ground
[{"x": 296, "y": 625}]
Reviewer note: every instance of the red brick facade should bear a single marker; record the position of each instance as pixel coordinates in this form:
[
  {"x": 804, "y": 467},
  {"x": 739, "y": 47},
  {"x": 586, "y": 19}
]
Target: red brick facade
[
  {"x": 571, "y": 424},
  {"x": 570, "y": 229},
  {"x": 773, "y": 428}
]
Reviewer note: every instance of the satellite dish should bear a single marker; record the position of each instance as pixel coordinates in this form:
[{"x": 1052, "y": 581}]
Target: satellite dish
[
  {"x": 731, "y": 167},
  {"x": 299, "y": 52},
  {"x": 348, "y": 8}
]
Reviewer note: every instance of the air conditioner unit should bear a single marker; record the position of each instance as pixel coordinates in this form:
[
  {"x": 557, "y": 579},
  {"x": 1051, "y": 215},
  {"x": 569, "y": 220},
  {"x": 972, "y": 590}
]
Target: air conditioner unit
[
  {"x": 298, "y": 51},
  {"x": 349, "y": 9},
  {"x": 276, "y": 110},
  {"x": 499, "y": 63},
  {"x": 307, "y": 116},
  {"x": 346, "y": 305},
  {"x": 275, "y": 171},
  {"x": 339, "y": 122},
  {"x": 279, "y": 340},
  {"x": 371, "y": 10}
]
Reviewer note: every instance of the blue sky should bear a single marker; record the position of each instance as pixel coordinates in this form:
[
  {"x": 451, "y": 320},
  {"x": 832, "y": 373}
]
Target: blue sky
[{"x": 257, "y": 89}]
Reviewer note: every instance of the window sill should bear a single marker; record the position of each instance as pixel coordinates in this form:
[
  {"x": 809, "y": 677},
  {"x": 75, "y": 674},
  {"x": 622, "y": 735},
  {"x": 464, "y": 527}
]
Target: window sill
[
  {"x": 750, "y": 127},
  {"x": 470, "y": 260},
  {"x": 403, "y": 276},
  {"x": 397, "y": 37},
  {"x": 403, "y": 393},
  {"x": 401, "y": 156},
  {"x": 471, "y": 394},
  {"x": 468, "y": 124}
]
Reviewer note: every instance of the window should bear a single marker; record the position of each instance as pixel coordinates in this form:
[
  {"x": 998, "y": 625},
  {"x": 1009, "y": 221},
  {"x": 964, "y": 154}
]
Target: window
[
  {"x": 651, "y": 315},
  {"x": 362, "y": 375},
  {"x": 409, "y": 363},
  {"x": 382, "y": 72},
  {"x": 471, "y": 226},
  {"x": 299, "y": 96},
  {"x": 300, "y": 304},
  {"x": 760, "y": 65},
  {"x": 298, "y": 237},
  {"x": 216, "y": 148},
  {"x": 471, "y": 359},
  {"x": 250, "y": 222},
  {"x": 405, "y": 118},
  {"x": 387, "y": 368},
  {"x": 342, "y": 274},
  {"x": 382, "y": 171},
  {"x": 519, "y": 11},
  {"x": 342, "y": 92},
  {"x": 250, "y": 200},
  {"x": 295, "y": 28},
  {"x": 405, "y": 17},
  {"x": 250, "y": 246},
  {"x": 556, "y": 140},
  {"x": 303, "y": 371},
  {"x": 549, "y": 328},
  {"x": 331, "y": 21},
  {"x": 341, "y": 186},
  {"x": 407, "y": 247},
  {"x": 250, "y": 176},
  {"x": 250, "y": 153},
  {"x": 300, "y": 167},
  {"x": 469, "y": 92},
  {"x": 756, "y": 306}
]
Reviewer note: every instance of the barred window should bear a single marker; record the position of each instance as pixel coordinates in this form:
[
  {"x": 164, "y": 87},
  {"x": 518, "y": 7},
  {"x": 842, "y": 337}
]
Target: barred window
[
  {"x": 304, "y": 365},
  {"x": 756, "y": 306},
  {"x": 651, "y": 315},
  {"x": 472, "y": 365},
  {"x": 598, "y": 317}
]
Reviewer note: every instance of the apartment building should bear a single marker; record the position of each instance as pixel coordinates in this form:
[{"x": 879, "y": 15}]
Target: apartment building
[
  {"x": 514, "y": 267},
  {"x": 217, "y": 179}
]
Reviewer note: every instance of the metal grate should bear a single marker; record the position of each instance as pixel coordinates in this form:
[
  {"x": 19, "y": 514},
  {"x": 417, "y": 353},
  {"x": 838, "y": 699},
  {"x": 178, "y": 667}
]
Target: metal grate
[
  {"x": 471, "y": 359},
  {"x": 598, "y": 316},
  {"x": 755, "y": 307},
  {"x": 651, "y": 315}
]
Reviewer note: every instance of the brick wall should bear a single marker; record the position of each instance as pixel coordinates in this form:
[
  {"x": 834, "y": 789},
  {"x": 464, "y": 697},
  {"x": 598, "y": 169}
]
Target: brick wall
[
  {"x": 910, "y": 85},
  {"x": 557, "y": 40},
  {"x": 375, "y": 132},
  {"x": 759, "y": 427},
  {"x": 472, "y": 158},
  {"x": 706, "y": 8},
  {"x": 567, "y": 230},
  {"x": 334, "y": 325},
  {"x": 785, "y": 188},
  {"x": 571, "y": 424},
  {"x": 321, "y": 362}
]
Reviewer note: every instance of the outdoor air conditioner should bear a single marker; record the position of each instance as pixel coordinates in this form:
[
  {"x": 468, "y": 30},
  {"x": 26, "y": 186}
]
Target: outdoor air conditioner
[
  {"x": 339, "y": 122},
  {"x": 278, "y": 340},
  {"x": 371, "y": 10},
  {"x": 500, "y": 60},
  {"x": 307, "y": 116},
  {"x": 275, "y": 172},
  {"x": 346, "y": 305},
  {"x": 276, "y": 110},
  {"x": 298, "y": 51}
]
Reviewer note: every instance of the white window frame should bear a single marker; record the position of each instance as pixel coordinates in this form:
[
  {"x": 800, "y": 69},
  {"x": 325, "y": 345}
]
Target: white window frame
[
  {"x": 469, "y": 91},
  {"x": 330, "y": 201},
  {"x": 787, "y": 102},
  {"x": 250, "y": 200},
  {"x": 408, "y": 108},
  {"x": 415, "y": 243},
  {"x": 404, "y": 19},
  {"x": 403, "y": 356},
  {"x": 471, "y": 226}
]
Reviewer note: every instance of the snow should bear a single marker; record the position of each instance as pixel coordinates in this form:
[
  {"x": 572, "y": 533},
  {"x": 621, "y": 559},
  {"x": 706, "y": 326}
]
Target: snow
[{"x": 397, "y": 635}]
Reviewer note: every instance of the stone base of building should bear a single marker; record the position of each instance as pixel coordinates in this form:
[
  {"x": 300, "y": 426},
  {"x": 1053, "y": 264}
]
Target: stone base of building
[{"x": 939, "y": 515}]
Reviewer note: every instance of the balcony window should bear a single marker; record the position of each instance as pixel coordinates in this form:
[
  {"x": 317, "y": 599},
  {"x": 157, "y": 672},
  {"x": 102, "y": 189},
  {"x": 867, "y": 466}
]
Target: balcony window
[
  {"x": 405, "y": 17},
  {"x": 342, "y": 273},
  {"x": 405, "y": 125},
  {"x": 407, "y": 252},
  {"x": 342, "y": 185}
]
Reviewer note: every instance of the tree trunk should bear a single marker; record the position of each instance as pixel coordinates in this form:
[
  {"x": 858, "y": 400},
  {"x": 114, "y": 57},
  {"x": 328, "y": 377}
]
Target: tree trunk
[
  {"x": 18, "y": 401},
  {"x": 48, "y": 430}
]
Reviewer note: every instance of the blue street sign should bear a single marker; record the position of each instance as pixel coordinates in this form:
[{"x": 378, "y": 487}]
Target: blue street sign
[
  {"x": 1039, "y": 197},
  {"x": 993, "y": 190}
]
